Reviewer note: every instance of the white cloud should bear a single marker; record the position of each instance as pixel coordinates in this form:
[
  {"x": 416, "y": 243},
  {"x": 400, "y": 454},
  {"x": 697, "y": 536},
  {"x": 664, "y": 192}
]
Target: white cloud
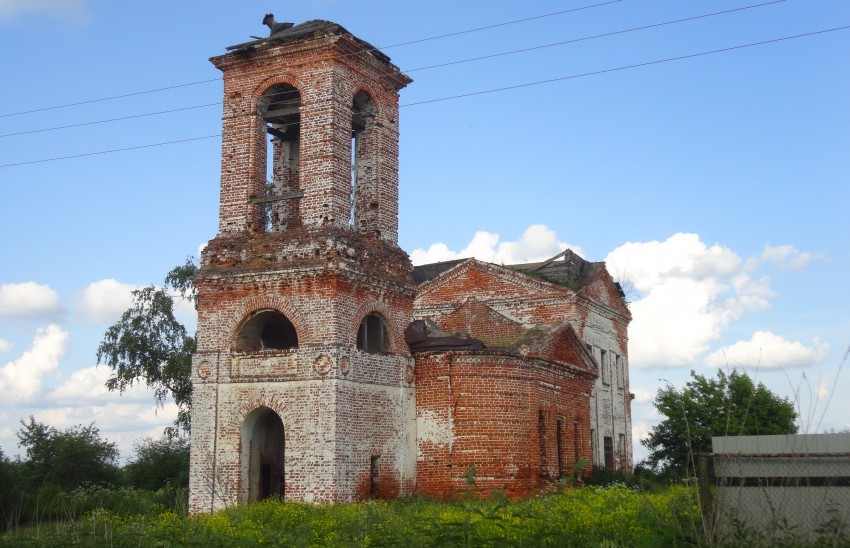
[
  {"x": 88, "y": 385},
  {"x": 767, "y": 350},
  {"x": 787, "y": 257},
  {"x": 21, "y": 380},
  {"x": 5, "y": 345},
  {"x": 105, "y": 301},
  {"x": 691, "y": 292},
  {"x": 643, "y": 396},
  {"x": 74, "y": 10},
  {"x": 537, "y": 243},
  {"x": 28, "y": 300}
]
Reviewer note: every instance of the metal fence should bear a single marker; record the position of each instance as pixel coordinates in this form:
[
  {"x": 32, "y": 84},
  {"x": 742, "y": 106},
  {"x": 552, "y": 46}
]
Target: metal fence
[{"x": 777, "y": 488}]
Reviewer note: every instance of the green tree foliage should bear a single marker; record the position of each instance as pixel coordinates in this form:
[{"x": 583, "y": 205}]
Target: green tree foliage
[
  {"x": 159, "y": 463},
  {"x": 729, "y": 405},
  {"x": 10, "y": 489},
  {"x": 148, "y": 344},
  {"x": 66, "y": 459}
]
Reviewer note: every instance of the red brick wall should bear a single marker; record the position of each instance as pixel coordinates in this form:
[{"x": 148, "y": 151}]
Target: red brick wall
[
  {"x": 328, "y": 71},
  {"x": 481, "y": 408},
  {"x": 459, "y": 297}
]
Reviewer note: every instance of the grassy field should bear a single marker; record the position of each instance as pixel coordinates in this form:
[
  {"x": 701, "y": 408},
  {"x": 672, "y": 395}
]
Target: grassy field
[{"x": 592, "y": 516}]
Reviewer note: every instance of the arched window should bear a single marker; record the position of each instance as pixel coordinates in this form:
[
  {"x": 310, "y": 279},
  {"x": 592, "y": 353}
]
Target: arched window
[
  {"x": 373, "y": 336},
  {"x": 281, "y": 112},
  {"x": 362, "y": 157},
  {"x": 266, "y": 330}
]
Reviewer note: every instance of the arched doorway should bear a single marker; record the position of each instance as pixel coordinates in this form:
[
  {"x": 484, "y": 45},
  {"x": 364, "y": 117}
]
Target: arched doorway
[{"x": 263, "y": 451}]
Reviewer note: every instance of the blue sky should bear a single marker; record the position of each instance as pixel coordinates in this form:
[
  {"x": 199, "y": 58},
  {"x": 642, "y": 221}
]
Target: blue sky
[{"x": 716, "y": 185}]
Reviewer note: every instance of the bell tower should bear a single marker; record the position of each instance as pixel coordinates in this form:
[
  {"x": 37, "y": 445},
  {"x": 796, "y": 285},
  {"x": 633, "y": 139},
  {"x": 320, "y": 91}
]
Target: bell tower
[{"x": 302, "y": 381}]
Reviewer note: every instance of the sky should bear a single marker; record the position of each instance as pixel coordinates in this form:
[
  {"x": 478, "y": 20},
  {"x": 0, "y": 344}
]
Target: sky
[{"x": 713, "y": 183}]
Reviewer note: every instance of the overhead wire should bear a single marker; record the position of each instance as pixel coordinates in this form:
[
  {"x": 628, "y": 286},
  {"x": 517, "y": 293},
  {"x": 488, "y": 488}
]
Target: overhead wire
[
  {"x": 593, "y": 37},
  {"x": 150, "y": 145},
  {"x": 122, "y": 118},
  {"x": 122, "y": 96},
  {"x": 492, "y": 90},
  {"x": 624, "y": 67},
  {"x": 439, "y": 65},
  {"x": 431, "y": 38}
]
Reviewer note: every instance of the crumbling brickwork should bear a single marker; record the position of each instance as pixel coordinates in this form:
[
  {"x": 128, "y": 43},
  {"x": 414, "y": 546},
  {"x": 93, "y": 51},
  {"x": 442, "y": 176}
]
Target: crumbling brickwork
[
  {"x": 495, "y": 411},
  {"x": 306, "y": 385},
  {"x": 508, "y": 302},
  {"x": 282, "y": 302}
]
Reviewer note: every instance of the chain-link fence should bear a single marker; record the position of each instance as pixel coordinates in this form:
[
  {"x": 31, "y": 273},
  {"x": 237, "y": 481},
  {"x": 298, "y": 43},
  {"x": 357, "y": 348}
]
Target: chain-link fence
[{"x": 777, "y": 488}]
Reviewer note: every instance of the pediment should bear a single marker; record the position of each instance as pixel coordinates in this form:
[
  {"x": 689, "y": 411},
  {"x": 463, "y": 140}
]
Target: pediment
[
  {"x": 483, "y": 281},
  {"x": 562, "y": 344},
  {"x": 476, "y": 319}
]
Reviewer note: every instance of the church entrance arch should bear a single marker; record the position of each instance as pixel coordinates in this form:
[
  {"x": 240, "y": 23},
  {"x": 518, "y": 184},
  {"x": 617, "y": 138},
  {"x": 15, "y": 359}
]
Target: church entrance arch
[{"x": 263, "y": 451}]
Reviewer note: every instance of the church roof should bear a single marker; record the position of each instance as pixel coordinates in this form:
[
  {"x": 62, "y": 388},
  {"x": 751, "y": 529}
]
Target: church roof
[
  {"x": 572, "y": 271},
  {"x": 309, "y": 28}
]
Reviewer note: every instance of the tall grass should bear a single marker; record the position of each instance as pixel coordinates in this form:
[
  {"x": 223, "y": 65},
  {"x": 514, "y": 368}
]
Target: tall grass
[{"x": 613, "y": 516}]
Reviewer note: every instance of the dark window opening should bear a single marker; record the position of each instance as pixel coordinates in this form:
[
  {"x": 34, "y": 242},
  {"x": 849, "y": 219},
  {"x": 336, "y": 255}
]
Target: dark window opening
[
  {"x": 266, "y": 330},
  {"x": 372, "y": 335},
  {"x": 280, "y": 107},
  {"x": 609, "y": 452}
]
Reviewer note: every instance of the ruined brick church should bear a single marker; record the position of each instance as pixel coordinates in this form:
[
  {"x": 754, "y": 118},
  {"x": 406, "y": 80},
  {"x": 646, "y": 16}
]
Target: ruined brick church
[{"x": 328, "y": 368}]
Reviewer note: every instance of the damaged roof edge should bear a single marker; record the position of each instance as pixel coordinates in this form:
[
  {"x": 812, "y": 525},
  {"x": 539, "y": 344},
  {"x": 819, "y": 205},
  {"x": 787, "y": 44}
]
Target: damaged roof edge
[
  {"x": 572, "y": 271},
  {"x": 308, "y": 28}
]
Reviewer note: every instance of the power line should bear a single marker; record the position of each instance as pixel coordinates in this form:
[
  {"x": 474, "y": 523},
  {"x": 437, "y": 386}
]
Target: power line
[
  {"x": 488, "y": 27},
  {"x": 110, "y": 120},
  {"x": 624, "y": 67},
  {"x": 593, "y": 37},
  {"x": 487, "y": 91},
  {"x": 440, "y": 65},
  {"x": 123, "y": 96},
  {"x": 111, "y": 151},
  {"x": 468, "y": 31}
]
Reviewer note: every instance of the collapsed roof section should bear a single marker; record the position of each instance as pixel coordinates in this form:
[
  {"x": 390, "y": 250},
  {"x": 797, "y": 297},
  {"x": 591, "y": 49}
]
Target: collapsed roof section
[
  {"x": 308, "y": 29},
  {"x": 565, "y": 269}
]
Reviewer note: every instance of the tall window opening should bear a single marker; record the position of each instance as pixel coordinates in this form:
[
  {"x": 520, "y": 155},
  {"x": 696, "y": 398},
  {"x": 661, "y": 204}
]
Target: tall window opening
[
  {"x": 374, "y": 467},
  {"x": 576, "y": 441},
  {"x": 281, "y": 112},
  {"x": 372, "y": 336},
  {"x": 559, "y": 435},
  {"x": 603, "y": 366},
  {"x": 266, "y": 330},
  {"x": 362, "y": 159},
  {"x": 594, "y": 444},
  {"x": 541, "y": 435},
  {"x": 619, "y": 370},
  {"x": 609, "y": 452}
]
